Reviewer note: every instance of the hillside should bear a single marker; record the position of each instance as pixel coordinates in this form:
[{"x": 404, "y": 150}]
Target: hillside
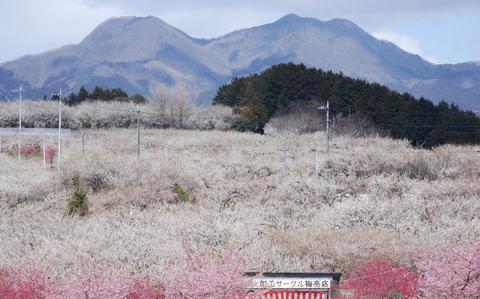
[
  {"x": 295, "y": 89},
  {"x": 137, "y": 54}
]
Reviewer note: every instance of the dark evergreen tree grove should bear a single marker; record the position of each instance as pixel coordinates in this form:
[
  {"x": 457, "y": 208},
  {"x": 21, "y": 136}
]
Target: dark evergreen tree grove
[
  {"x": 256, "y": 98},
  {"x": 104, "y": 95}
]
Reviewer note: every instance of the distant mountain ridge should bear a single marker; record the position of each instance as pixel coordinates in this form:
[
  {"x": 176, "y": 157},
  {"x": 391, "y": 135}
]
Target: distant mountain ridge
[{"x": 140, "y": 53}]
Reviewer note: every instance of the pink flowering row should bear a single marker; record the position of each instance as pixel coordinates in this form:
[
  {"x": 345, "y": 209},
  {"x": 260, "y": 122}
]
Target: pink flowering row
[
  {"x": 452, "y": 272},
  {"x": 28, "y": 150}
]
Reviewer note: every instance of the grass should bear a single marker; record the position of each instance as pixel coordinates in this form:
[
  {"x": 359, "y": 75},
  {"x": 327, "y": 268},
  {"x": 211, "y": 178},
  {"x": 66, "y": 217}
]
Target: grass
[{"x": 374, "y": 197}]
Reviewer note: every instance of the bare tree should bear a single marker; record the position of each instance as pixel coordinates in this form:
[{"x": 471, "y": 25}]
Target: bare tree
[{"x": 174, "y": 105}]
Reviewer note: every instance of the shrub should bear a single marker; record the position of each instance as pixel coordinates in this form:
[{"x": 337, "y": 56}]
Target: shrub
[
  {"x": 78, "y": 204},
  {"x": 381, "y": 279},
  {"x": 181, "y": 194},
  {"x": 97, "y": 181}
]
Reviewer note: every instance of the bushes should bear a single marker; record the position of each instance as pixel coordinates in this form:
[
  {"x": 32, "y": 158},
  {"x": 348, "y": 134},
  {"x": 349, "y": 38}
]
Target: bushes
[
  {"x": 97, "y": 181},
  {"x": 181, "y": 194}
]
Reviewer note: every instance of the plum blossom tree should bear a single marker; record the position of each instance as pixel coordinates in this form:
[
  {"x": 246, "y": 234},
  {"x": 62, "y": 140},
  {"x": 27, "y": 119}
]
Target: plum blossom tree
[
  {"x": 146, "y": 290},
  {"x": 50, "y": 154},
  {"x": 89, "y": 284},
  {"x": 22, "y": 283},
  {"x": 209, "y": 277},
  {"x": 29, "y": 149},
  {"x": 453, "y": 272},
  {"x": 97, "y": 283},
  {"x": 380, "y": 279}
]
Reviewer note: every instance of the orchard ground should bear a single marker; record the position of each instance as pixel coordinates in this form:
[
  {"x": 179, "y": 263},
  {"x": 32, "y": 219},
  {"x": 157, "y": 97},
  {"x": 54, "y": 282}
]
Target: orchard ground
[{"x": 256, "y": 195}]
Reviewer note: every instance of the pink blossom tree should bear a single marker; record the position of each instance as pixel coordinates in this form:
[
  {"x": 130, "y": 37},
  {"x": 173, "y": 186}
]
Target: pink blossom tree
[
  {"x": 29, "y": 149},
  {"x": 22, "y": 283},
  {"x": 92, "y": 284},
  {"x": 380, "y": 279},
  {"x": 97, "y": 283},
  {"x": 146, "y": 290},
  {"x": 209, "y": 277},
  {"x": 50, "y": 154},
  {"x": 453, "y": 272}
]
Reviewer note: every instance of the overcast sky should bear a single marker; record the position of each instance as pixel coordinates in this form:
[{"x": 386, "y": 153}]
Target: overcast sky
[{"x": 442, "y": 31}]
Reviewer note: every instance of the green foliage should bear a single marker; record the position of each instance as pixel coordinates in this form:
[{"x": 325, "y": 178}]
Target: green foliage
[
  {"x": 104, "y": 95},
  {"x": 181, "y": 194},
  {"x": 138, "y": 99},
  {"x": 258, "y": 97},
  {"x": 243, "y": 125},
  {"x": 78, "y": 204}
]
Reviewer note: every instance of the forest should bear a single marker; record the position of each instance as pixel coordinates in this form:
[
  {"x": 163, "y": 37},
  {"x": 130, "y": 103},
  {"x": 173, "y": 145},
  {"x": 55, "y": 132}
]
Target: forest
[{"x": 259, "y": 97}]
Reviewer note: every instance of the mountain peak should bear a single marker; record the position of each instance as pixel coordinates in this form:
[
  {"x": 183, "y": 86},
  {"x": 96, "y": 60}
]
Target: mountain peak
[
  {"x": 293, "y": 18},
  {"x": 290, "y": 17},
  {"x": 125, "y": 26},
  {"x": 139, "y": 53}
]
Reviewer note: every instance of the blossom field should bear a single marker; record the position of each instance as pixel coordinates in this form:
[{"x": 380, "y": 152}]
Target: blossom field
[{"x": 234, "y": 202}]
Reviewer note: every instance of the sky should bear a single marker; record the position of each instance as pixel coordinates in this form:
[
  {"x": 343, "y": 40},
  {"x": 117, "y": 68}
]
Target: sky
[{"x": 441, "y": 31}]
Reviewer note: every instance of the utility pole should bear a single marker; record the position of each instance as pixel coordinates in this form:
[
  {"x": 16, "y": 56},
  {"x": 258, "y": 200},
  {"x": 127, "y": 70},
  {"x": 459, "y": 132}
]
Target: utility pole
[
  {"x": 83, "y": 140},
  {"x": 44, "y": 153},
  {"x": 137, "y": 110},
  {"x": 284, "y": 157},
  {"x": 327, "y": 109},
  {"x": 59, "y": 96},
  {"x": 20, "y": 93}
]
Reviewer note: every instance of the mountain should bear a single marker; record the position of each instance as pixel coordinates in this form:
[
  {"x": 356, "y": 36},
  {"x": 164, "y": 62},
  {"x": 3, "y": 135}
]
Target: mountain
[{"x": 140, "y": 53}]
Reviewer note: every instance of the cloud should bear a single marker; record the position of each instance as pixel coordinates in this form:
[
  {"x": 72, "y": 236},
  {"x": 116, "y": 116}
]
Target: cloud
[
  {"x": 33, "y": 26},
  {"x": 365, "y": 9},
  {"x": 405, "y": 42},
  {"x": 369, "y": 14}
]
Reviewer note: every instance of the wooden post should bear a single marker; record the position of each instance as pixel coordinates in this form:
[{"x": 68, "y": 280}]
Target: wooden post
[
  {"x": 138, "y": 137},
  {"x": 83, "y": 140},
  {"x": 44, "y": 153}
]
